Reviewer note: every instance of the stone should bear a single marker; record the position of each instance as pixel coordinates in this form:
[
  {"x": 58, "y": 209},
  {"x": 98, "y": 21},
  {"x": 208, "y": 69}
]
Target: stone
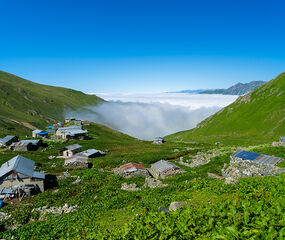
[
  {"x": 51, "y": 157},
  {"x": 53, "y": 165},
  {"x": 77, "y": 181},
  {"x": 174, "y": 206},
  {"x": 163, "y": 209},
  {"x": 130, "y": 187},
  {"x": 199, "y": 159},
  {"x": 176, "y": 150},
  {"x": 153, "y": 183}
]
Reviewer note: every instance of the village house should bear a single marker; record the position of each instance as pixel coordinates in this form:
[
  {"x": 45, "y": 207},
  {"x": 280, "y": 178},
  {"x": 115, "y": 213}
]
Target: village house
[
  {"x": 72, "y": 132},
  {"x": 91, "y": 153},
  {"x": 70, "y": 119},
  {"x": 19, "y": 172},
  {"x": 39, "y": 133},
  {"x": 256, "y": 157},
  {"x": 131, "y": 170},
  {"x": 70, "y": 150},
  {"x": 8, "y": 140},
  {"x": 158, "y": 140},
  {"x": 76, "y": 162},
  {"x": 26, "y": 145},
  {"x": 164, "y": 169}
]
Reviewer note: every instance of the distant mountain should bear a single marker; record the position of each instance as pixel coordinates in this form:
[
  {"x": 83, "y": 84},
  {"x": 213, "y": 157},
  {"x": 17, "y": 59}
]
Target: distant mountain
[
  {"x": 258, "y": 116},
  {"x": 191, "y": 91},
  {"x": 25, "y": 105},
  {"x": 237, "y": 89}
]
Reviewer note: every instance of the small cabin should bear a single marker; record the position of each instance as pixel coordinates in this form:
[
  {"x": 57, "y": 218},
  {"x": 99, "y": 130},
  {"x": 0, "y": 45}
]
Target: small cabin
[
  {"x": 19, "y": 171},
  {"x": 158, "y": 140},
  {"x": 256, "y": 157},
  {"x": 39, "y": 133},
  {"x": 164, "y": 169},
  {"x": 91, "y": 153},
  {"x": 72, "y": 132},
  {"x": 26, "y": 145},
  {"x": 8, "y": 140},
  {"x": 76, "y": 162},
  {"x": 70, "y": 150}
]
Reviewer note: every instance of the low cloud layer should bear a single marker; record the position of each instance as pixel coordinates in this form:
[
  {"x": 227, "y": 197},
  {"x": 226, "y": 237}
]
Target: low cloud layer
[{"x": 146, "y": 117}]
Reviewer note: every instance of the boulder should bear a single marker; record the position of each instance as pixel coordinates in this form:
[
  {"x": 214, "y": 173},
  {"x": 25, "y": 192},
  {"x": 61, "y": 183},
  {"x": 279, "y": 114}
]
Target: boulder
[
  {"x": 130, "y": 187},
  {"x": 174, "y": 206}
]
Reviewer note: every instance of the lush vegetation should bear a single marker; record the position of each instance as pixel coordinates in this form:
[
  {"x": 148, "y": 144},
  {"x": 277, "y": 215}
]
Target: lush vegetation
[
  {"x": 24, "y": 104},
  {"x": 252, "y": 209},
  {"x": 254, "y": 118}
]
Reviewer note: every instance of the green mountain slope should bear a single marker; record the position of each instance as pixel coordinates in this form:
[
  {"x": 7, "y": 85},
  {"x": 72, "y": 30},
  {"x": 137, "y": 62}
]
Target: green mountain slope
[
  {"x": 24, "y": 104},
  {"x": 256, "y": 117}
]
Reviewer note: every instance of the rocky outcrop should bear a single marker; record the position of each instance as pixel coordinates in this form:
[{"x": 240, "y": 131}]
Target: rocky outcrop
[
  {"x": 153, "y": 183},
  {"x": 54, "y": 210},
  {"x": 199, "y": 159},
  {"x": 121, "y": 172},
  {"x": 130, "y": 187}
]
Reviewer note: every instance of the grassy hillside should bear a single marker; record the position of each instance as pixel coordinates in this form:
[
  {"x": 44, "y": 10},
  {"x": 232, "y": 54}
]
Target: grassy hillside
[
  {"x": 250, "y": 210},
  {"x": 24, "y": 104},
  {"x": 256, "y": 117}
]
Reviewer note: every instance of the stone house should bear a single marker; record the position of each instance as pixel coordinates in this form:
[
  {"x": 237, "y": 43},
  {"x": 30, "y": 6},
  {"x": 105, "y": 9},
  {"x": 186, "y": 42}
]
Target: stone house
[
  {"x": 72, "y": 132},
  {"x": 255, "y": 157},
  {"x": 8, "y": 140},
  {"x": 164, "y": 169},
  {"x": 131, "y": 170},
  {"x": 26, "y": 145},
  {"x": 70, "y": 150},
  {"x": 158, "y": 140},
  {"x": 91, "y": 153},
  {"x": 39, "y": 133},
  {"x": 19, "y": 171},
  {"x": 76, "y": 162}
]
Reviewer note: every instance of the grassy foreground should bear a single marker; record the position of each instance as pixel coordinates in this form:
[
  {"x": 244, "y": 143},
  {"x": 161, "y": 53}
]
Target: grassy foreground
[{"x": 253, "y": 209}]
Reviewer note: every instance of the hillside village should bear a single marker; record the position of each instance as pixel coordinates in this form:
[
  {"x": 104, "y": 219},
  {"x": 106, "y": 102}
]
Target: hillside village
[{"x": 54, "y": 175}]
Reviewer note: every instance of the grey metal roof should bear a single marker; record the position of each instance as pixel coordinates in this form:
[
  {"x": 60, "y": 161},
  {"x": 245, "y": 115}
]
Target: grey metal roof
[
  {"x": 89, "y": 152},
  {"x": 164, "y": 166},
  {"x": 6, "y": 139},
  {"x": 37, "y": 131},
  {"x": 76, "y": 158},
  {"x": 32, "y": 141},
  {"x": 256, "y": 157},
  {"x": 73, "y": 147},
  {"x": 63, "y": 129},
  {"x": 21, "y": 165}
]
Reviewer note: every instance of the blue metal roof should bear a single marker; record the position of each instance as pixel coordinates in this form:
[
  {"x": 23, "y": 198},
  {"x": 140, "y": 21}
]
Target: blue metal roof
[
  {"x": 247, "y": 155},
  {"x": 261, "y": 158}
]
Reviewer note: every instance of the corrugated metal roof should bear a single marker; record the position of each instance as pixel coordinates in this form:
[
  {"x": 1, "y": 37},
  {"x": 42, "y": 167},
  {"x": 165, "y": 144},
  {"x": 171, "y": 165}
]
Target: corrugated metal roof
[
  {"x": 73, "y": 147},
  {"x": 20, "y": 144},
  {"x": 261, "y": 158},
  {"x": 37, "y": 131},
  {"x": 76, "y": 158},
  {"x": 164, "y": 166},
  {"x": 133, "y": 167},
  {"x": 7, "y": 138},
  {"x": 32, "y": 141},
  {"x": 21, "y": 165},
  {"x": 89, "y": 152}
]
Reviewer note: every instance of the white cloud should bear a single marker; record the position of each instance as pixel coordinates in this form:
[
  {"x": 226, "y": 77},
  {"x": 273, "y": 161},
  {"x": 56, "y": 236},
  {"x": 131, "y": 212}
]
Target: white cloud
[{"x": 146, "y": 116}]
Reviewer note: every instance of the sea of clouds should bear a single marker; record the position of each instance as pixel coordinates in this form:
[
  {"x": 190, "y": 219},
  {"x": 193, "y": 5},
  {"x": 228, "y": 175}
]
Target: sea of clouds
[{"x": 150, "y": 115}]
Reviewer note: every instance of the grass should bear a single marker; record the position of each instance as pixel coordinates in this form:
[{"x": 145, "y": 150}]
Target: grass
[
  {"x": 255, "y": 118},
  {"x": 103, "y": 207},
  {"x": 24, "y": 104}
]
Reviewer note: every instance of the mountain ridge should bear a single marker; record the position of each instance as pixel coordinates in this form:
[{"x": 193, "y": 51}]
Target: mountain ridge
[
  {"x": 26, "y": 105},
  {"x": 258, "y": 116}
]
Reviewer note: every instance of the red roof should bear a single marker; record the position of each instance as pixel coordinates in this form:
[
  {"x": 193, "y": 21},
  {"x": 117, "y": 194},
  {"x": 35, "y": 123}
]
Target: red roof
[{"x": 132, "y": 165}]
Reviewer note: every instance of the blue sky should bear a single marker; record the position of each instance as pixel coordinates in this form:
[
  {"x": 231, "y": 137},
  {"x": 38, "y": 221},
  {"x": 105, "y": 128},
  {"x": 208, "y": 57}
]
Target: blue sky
[{"x": 142, "y": 46}]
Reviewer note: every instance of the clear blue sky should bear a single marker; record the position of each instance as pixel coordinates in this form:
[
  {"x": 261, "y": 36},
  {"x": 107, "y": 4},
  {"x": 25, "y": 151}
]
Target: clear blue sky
[{"x": 142, "y": 46}]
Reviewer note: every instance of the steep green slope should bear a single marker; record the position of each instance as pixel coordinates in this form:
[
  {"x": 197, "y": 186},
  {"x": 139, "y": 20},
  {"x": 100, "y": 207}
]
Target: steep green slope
[
  {"x": 24, "y": 104},
  {"x": 256, "y": 117}
]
